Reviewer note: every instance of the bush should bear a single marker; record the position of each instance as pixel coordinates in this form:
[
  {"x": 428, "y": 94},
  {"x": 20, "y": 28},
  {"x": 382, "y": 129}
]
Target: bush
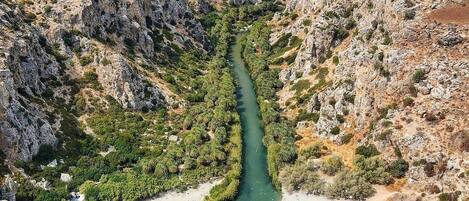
[
  {"x": 301, "y": 85},
  {"x": 302, "y": 177},
  {"x": 332, "y": 165},
  {"x": 47, "y": 9},
  {"x": 367, "y": 151},
  {"x": 3, "y": 167},
  {"x": 305, "y": 116},
  {"x": 449, "y": 196},
  {"x": 409, "y": 14},
  {"x": 398, "y": 168},
  {"x": 349, "y": 184},
  {"x": 418, "y": 76},
  {"x": 105, "y": 62},
  {"x": 344, "y": 139},
  {"x": 85, "y": 60},
  {"x": 45, "y": 154},
  {"x": 30, "y": 17},
  {"x": 312, "y": 151},
  {"x": 408, "y": 101},
  {"x": 372, "y": 169},
  {"x": 335, "y": 130},
  {"x": 335, "y": 60},
  {"x": 91, "y": 78},
  {"x": 387, "y": 40}
]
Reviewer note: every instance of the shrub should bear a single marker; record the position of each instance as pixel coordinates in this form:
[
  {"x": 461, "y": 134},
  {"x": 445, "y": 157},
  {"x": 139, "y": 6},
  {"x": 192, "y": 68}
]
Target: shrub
[
  {"x": 418, "y": 76},
  {"x": 105, "y": 62},
  {"x": 448, "y": 196},
  {"x": 293, "y": 16},
  {"x": 351, "y": 23},
  {"x": 47, "y": 9},
  {"x": 301, "y": 85},
  {"x": 420, "y": 162},
  {"x": 344, "y": 139},
  {"x": 340, "y": 34},
  {"x": 335, "y": 60},
  {"x": 340, "y": 118},
  {"x": 91, "y": 78},
  {"x": 332, "y": 165},
  {"x": 161, "y": 170},
  {"x": 349, "y": 184},
  {"x": 373, "y": 169},
  {"x": 349, "y": 98},
  {"x": 3, "y": 167},
  {"x": 335, "y": 130},
  {"x": 312, "y": 151},
  {"x": 322, "y": 73},
  {"x": 302, "y": 177},
  {"x": 409, "y": 14},
  {"x": 306, "y": 116},
  {"x": 286, "y": 154},
  {"x": 30, "y": 17},
  {"x": 408, "y": 101},
  {"x": 387, "y": 40},
  {"x": 85, "y": 60},
  {"x": 398, "y": 168},
  {"x": 367, "y": 151},
  {"x": 45, "y": 154}
]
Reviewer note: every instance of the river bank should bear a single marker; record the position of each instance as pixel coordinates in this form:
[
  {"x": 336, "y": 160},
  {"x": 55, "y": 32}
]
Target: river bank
[
  {"x": 195, "y": 194},
  {"x": 299, "y": 196}
]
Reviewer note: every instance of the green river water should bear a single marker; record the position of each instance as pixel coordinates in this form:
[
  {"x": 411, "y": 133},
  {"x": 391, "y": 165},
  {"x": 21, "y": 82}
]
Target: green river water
[{"x": 255, "y": 181}]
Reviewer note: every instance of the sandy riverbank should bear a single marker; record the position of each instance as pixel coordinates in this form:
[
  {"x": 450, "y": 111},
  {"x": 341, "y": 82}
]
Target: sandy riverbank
[
  {"x": 299, "y": 196},
  {"x": 381, "y": 194},
  {"x": 194, "y": 194}
]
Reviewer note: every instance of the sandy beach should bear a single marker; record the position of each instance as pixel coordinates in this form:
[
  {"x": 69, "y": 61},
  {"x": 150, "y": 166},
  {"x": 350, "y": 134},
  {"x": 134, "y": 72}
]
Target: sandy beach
[
  {"x": 194, "y": 194},
  {"x": 381, "y": 194},
  {"x": 299, "y": 196}
]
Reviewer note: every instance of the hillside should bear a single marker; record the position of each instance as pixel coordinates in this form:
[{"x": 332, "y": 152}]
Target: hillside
[{"x": 386, "y": 77}]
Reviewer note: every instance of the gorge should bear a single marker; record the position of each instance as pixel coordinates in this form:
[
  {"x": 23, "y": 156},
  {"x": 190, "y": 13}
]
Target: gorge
[{"x": 221, "y": 100}]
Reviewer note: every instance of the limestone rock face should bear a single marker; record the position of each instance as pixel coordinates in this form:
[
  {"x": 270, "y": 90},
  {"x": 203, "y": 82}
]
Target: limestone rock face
[
  {"x": 25, "y": 68},
  {"x": 126, "y": 86},
  {"x": 46, "y": 48}
]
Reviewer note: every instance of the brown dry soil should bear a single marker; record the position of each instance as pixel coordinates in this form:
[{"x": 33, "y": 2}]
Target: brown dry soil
[{"x": 451, "y": 14}]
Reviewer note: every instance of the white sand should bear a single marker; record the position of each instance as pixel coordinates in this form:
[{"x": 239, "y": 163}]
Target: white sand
[
  {"x": 194, "y": 194},
  {"x": 299, "y": 196},
  {"x": 381, "y": 194}
]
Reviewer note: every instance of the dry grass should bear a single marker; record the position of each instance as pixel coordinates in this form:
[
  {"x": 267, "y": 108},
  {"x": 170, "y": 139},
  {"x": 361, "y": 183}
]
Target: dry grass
[
  {"x": 451, "y": 14},
  {"x": 345, "y": 151}
]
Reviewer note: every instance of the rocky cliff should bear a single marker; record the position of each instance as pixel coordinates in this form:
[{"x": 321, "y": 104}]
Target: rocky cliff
[
  {"x": 389, "y": 73},
  {"x": 56, "y": 54}
]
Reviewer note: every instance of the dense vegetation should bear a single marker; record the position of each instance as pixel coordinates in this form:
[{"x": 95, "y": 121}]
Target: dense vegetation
[{"x": 278, "y": 132}]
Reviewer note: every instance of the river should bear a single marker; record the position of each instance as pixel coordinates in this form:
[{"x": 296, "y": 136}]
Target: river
[{"x": 255, "y": 181}]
